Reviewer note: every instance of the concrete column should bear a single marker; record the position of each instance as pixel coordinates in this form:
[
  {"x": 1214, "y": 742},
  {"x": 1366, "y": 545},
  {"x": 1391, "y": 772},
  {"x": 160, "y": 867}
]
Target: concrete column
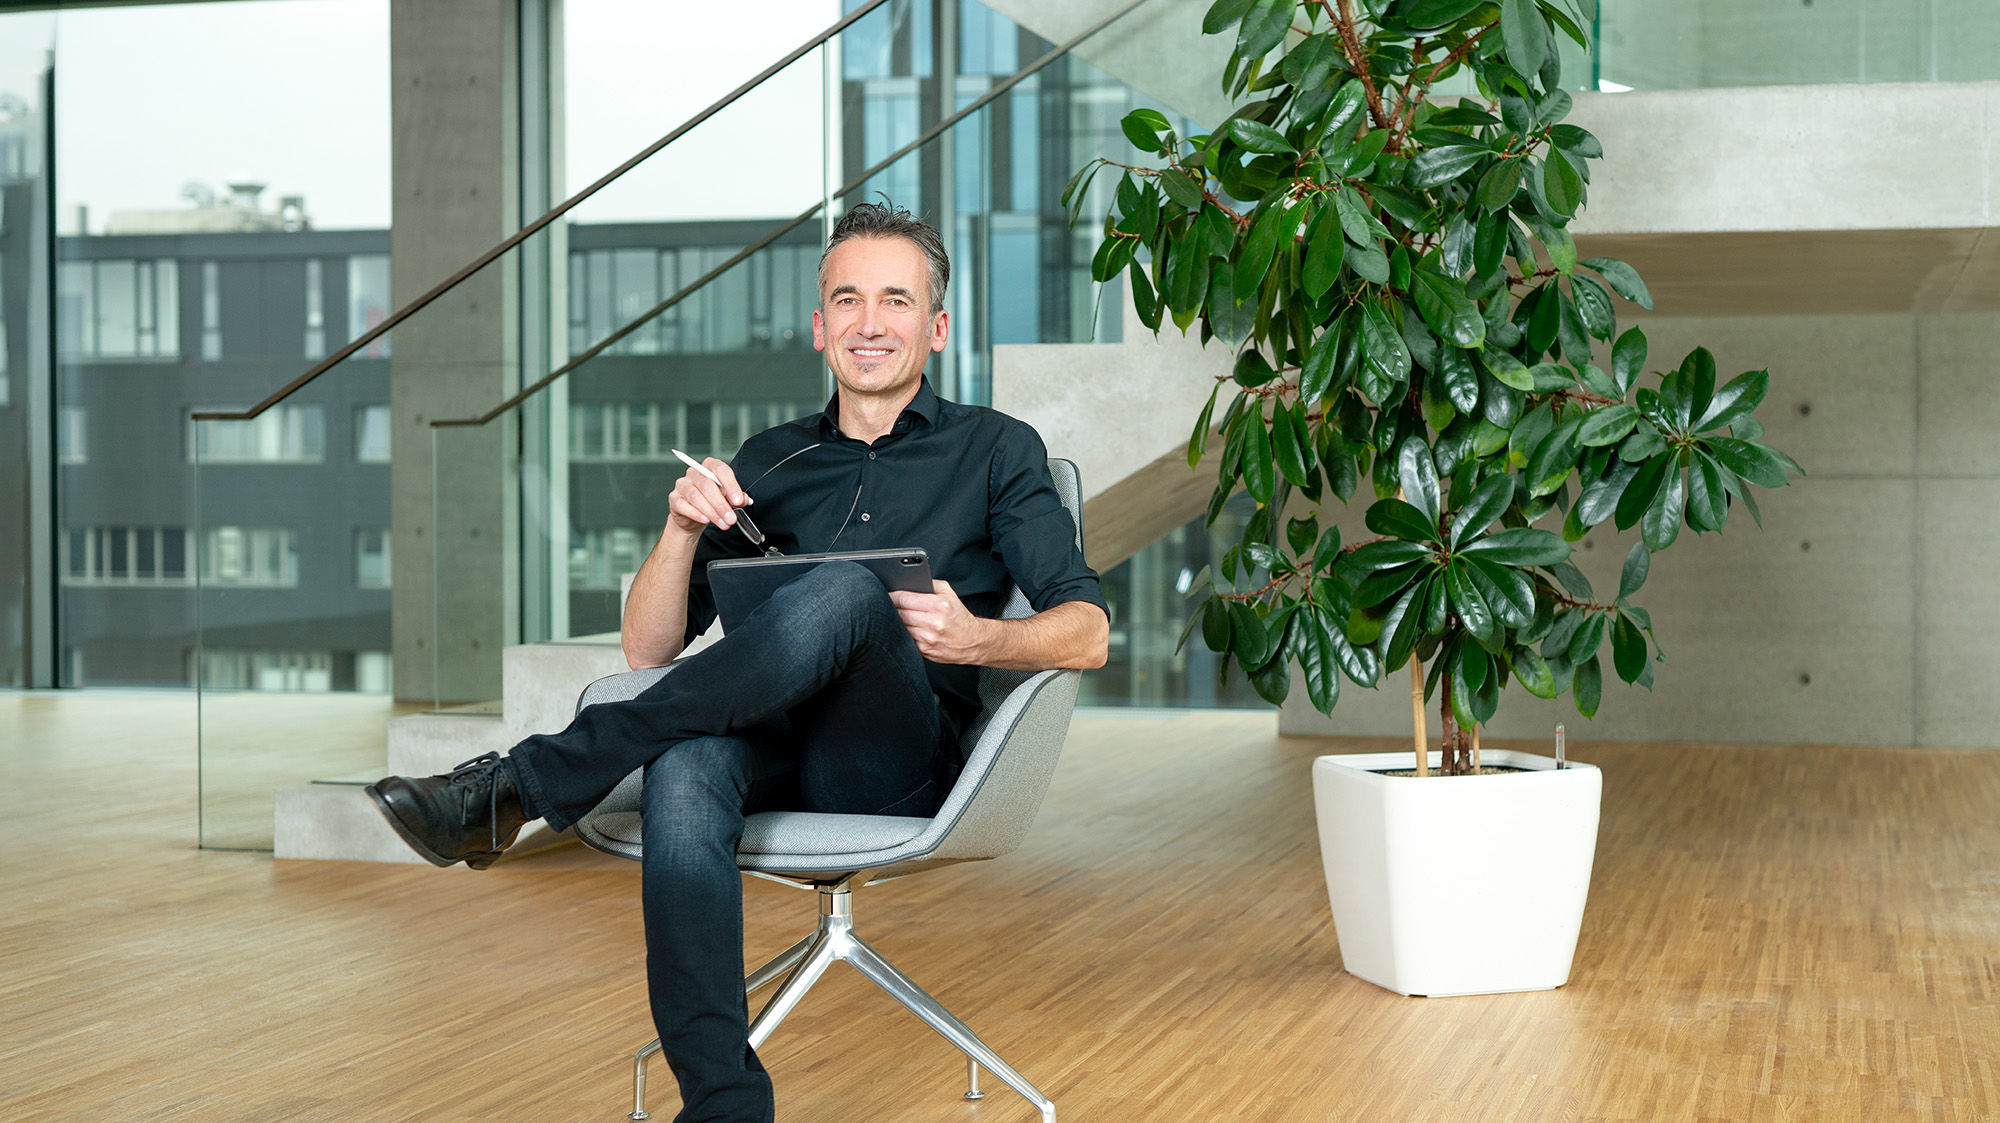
[{"x": 455, "y": 110}]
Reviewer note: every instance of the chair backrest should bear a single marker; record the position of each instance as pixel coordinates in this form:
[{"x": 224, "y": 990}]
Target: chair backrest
[{"x": 990, "y": 808}]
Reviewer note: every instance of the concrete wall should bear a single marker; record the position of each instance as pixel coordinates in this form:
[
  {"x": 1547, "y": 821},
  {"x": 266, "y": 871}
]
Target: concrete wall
[
  {"x": 1864, "y": 612},
  {"x": 455, "y": 193}
]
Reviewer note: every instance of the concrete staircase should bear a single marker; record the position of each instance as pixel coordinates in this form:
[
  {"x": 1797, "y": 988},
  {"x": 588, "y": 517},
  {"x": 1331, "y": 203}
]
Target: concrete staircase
[{"x": 334, "y": 819}]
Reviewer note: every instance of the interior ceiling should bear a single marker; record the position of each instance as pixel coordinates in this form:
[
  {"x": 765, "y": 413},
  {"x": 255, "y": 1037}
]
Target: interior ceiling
[{"x": 1799, "y": 272}]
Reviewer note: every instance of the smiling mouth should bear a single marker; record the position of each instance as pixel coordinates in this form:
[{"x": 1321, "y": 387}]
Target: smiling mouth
[{"x": 869, "y": 352}]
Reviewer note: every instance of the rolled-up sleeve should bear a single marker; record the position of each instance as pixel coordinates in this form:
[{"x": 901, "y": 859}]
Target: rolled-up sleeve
[{"x": 1032, "y": 531}]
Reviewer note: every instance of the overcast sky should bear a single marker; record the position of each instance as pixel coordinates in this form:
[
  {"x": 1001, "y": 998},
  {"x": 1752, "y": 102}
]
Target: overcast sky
[{"x": 295, "y": 94}]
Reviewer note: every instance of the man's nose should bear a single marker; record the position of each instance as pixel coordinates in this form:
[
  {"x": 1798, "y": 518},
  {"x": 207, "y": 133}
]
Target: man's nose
[{"x": 871, "y": 321}]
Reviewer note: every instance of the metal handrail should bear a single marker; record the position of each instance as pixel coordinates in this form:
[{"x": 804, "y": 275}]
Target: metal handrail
[
  {"x": 528, "y": 231},
  {"x": 781, "y": 230}
]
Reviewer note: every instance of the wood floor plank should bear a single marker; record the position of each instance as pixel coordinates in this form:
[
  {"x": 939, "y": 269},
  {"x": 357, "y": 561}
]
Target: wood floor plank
[{"x": 1774, "y": 933}]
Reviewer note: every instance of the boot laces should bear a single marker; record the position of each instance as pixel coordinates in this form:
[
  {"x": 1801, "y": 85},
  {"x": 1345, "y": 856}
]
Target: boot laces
[{"x": 480, "y": 769}]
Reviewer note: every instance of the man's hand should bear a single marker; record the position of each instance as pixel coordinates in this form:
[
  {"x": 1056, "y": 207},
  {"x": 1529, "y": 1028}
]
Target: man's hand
[
  {"x": 698, "y": 502},
  {"x": 944, "y": 630}
]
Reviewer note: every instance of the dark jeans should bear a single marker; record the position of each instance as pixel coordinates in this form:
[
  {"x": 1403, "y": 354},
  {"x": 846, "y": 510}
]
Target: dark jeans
[{"x": 818, "y": 702}]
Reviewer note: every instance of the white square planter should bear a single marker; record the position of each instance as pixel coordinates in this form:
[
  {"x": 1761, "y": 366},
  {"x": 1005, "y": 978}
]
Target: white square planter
[{"x": 1446, "y": 885}]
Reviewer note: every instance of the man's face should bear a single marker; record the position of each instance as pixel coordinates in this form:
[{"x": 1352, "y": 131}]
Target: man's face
[{"x": 874, "y": 321}]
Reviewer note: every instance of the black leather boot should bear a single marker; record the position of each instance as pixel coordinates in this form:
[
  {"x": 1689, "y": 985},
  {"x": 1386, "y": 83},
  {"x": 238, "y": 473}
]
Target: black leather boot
[{"x": 470, "y": 814}]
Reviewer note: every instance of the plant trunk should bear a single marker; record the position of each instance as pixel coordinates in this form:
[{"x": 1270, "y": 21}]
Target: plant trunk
[{"x": 1456, "y": 743}]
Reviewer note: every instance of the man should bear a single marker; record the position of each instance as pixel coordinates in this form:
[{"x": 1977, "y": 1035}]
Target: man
[{"x": 835, "y": 695}]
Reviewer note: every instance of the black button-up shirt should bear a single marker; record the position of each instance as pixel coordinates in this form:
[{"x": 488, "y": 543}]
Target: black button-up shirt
[{"x": 969, "y": 485}]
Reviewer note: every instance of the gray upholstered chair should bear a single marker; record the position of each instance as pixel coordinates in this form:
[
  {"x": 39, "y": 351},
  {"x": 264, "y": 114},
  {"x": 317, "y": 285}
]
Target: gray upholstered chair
[{"x": 1012, "y": 755}]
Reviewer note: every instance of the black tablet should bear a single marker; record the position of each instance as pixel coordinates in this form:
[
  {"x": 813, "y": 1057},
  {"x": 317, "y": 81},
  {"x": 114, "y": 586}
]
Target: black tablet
[{"x": 741, "y": 584}]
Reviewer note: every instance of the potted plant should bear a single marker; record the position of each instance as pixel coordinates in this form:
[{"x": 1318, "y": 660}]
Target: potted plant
[{"x": 1394, "y": 270}]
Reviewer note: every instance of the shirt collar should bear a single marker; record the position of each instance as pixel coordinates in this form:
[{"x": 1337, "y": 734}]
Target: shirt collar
[{"x": 923, "y": 407}]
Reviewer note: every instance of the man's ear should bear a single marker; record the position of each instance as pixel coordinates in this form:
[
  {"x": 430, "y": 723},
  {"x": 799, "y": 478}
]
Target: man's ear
[
  {"x": 819, "y": 332},
  {"x": 940, "y": 330}
]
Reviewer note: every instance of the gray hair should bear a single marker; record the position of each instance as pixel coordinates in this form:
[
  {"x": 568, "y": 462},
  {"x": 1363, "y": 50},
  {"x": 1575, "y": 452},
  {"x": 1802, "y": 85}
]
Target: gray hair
[{"x": 887, "y": 220}]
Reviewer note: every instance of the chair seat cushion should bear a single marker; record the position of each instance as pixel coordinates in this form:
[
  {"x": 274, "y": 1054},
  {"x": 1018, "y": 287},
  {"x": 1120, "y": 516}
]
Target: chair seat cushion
[{"x": 801, "y": 833}]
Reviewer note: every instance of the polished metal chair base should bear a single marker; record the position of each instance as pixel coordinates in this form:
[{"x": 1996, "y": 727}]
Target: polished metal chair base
[{"x": 804, "y": 962}]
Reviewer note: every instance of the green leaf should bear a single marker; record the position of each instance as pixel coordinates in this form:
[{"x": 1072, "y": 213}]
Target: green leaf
[
  {"x": 1325, "y": 248},
  {"x": 1285, "y": 447},
  {"x": 1308, "y": 65},
  {"x": 1441, "y": 165},
  {"x": 1419, "y": 479},
  {"x": 1143, "y": 128},
  {"x": 1589, "y": 687},
  {"x": 1520, "y": 545},
  {"x": 1473, "y": 611},
  {"x": 1509, "y": 370},
  {"x": 1487, "y": 502},
  {"x": 1264, "y": 27},
  {"x": 1526, "y": 35},
  {"x": 1607, "y": 426},
  {"x": 1576, "y": 142},
  {"x": 1744, "y": 393},
  {"x": 1757, "y": 463},
  {"x": 1181, "y": 188},
  {"x": 1369, "y": 263},
  {"x": 1600, "y": 497},
  {"x": 1357, "y": 663},
  {"x": 1461, "y": 378},
  {"x": 1257, "y": 466},
  {"x": 1594, "y": 305},
  {"x": 1398, "y": 519},
  {"x": 1509, "y": 591},
  {"x": 1708, "y": 504},
  {"x": 1259, "y": 137},
  {"x": 1623, "y": 279},
  {"x": 1258, "y": 248},
  {"x": 1386, "y": 351},
  {"x": 1497, "y": 187},
  {"x": 1698, "y": 373},
  {"x": 1198, "y": 440},
  {"x": 1248, "y": 637},
  {"x": 1628, "y": 358},
  {"x": 1661, "y": 523},
  {"x": 1628, "y": 649},
  {"x": 1386, "y": 554},
  {"x": 1215, "y": 624},
  {"x": 1224, "y": 14},
  {"x": 1637, "y": 561},
  {"x": 1533, "y": 673},
  {"x": 1272, "y": 681},
  {"x": 1424, "y": 14},
  {"x": 1561, "y": 186},
  {"x": 1361, "y": 227},
  {"x": 1404, "y": 624},
  {"x": 1589, "y": 636},
  {"x": 1645, "y": 486},
  {"x": 1328, "y": 550},
  {"x": 1442, "y": 302},
  {"x": 1310, "y": 637}
]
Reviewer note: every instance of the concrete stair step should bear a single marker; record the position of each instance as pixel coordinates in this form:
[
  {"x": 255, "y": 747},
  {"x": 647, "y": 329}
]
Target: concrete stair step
[
  {"x": 336, "y": 821},
  {"x": 333, "y": 819}
]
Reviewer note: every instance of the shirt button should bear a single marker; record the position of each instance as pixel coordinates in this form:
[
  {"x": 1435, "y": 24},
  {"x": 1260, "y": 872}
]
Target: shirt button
[
  {"x": 871, "y": 456},
  {"x": 864, "y": 516}
]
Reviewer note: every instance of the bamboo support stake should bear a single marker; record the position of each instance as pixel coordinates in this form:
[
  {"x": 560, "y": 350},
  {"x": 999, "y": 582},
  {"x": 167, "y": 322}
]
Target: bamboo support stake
[
  {"x": 1417, "y": 714},
  {"x": 1475, "y": 750}
]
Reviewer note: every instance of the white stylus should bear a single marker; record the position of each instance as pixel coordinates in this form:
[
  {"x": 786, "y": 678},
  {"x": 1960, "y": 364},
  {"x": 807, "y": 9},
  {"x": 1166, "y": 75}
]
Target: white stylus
[{"x": 743, "y": 522}]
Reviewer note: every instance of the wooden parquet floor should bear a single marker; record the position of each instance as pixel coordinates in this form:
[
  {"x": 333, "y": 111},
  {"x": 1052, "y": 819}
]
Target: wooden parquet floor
[{"x": 1774, "y": 933}]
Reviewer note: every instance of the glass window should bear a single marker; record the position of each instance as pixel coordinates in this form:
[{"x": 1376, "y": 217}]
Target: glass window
[
  {"x": 315, "y": 309},
  {"x": 368, "y": 300},
  {"x": 123, "y": 555},
  {"x": 266, "y": 557},
  {"x": 72, "y": 435},
  {"x": 371, "y": 434},
  {"x": 211, "y": 310},
  {"x": 371, "y": 558},
  {"x": 598, "y": 559},
  {"x": 283, "y": 434},
  {"x": 118, "y": 309}
]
